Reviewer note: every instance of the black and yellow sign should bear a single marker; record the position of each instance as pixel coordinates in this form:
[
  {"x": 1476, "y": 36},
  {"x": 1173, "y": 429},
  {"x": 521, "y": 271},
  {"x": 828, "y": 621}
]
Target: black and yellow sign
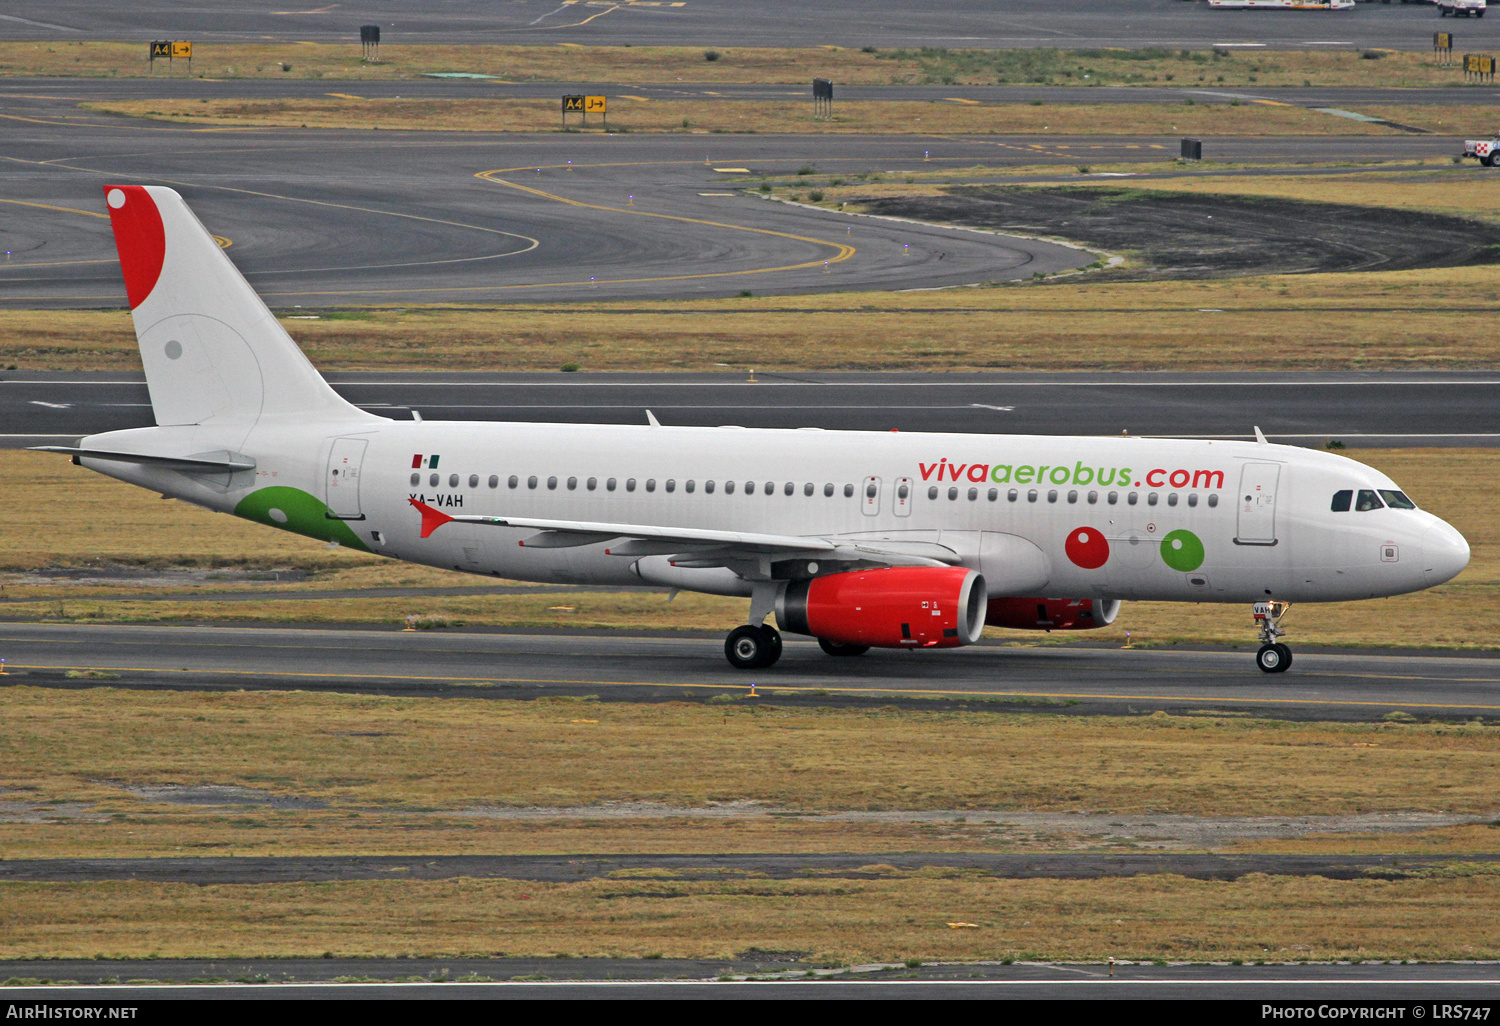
[
  {"x": 1442, "y": 40},
  {"x": 180, "y": 49},
  {"x": 165, "y": 49},
  {"x": 595, "y": 105},
  {"x": 572, "y": 103},
  {"x": 161, "y": 48}
]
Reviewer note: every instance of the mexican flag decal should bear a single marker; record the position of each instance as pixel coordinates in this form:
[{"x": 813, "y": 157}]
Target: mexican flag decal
[{"x": 424, "y": 462}]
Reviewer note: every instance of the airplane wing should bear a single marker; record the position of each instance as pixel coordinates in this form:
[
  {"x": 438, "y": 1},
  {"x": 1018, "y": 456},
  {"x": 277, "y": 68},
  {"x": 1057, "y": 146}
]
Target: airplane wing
[{"x": 696, "y": 546}]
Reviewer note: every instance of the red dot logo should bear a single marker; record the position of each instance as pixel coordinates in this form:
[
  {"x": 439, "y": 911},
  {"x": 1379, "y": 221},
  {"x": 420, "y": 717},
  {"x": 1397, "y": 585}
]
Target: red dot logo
[{"x": 1087, "y": 548}]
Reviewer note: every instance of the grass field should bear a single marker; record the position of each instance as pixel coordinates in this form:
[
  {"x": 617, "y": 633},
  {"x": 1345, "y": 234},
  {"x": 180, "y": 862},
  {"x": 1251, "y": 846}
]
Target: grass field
[
  {"x": 405, "y": 776},
  {"x": 1436, "y": 319},
  {"x": 1273, "y": 919},
  {"x": 881, "y": 117},
  {"x": 934, "y": 66},
  {"x": 110, "y": 523}
]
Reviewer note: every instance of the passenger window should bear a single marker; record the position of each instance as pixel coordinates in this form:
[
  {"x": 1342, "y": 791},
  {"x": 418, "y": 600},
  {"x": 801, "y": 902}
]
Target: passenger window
[
  {"x": 432, "y": 480},
  {"x": 789, "y": 488},
  {"x": 1342, "y": 500},
  {"x": 572, "y": 483},
  {"x": 473, "y": 480},
  {"x": 708, "y": 487},
  {"x": 871, "y": 490},
  {"x": 671, "y": 484},
  {"x": 452, "y": 480},
  {"x": 848, "y": 491},
  {"x": 1133, "y": 498},
  {"x": 1171, "y": 498},
  {"x": 1012, "y": 495},
  {"x": 1031, "y": 495},
  {"x": 1113, "y": 498},
  {"x": 1093, "y": 498},
  {"x": 932, "y": 492},
  {"x": 973, "y": 494},
  {"x": 994, "y": 494},
  {"x": 494, "y": 481},
  {"x": 1072, "y": 496},
  {"x": 1151, "y": 499},
  {"x": 749, "y": 487},
  {"x": 690, "y": 486},
  {"x": 828, "y": 490},
  {"x": 807, "y": 489},
  {"x": 770, "y": 487},
  {"x": 630, "y": 484},
  {"x": 901, "y": 492},
  {"x": 728, "y": 487},
  {"x": 1192, "y": 498},
  {"x": 1396, "y": 500},
  {"x": 1213, "y": 500},
  {"x": 952, "y": 494},
  {"x": 650, "y": 484},
  {"x": 416, "y": 479},
  {"x": 593, "y": 483},
  {"x": 513, "y": 482},
  {"x": 610, "y": 485},
  {"x": 531, "y": 481},
  {"x": 1052, "y": 495},
  {"x": 552, "y": 484},
  {"x": 1367, "y": 500}
]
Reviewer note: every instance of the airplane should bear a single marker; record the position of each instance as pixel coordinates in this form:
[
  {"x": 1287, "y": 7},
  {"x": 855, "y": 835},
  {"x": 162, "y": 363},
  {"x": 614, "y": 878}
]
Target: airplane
[{"x": 859, "y": 539}]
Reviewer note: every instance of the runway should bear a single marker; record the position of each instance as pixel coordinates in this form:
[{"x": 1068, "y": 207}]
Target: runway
[
  {"x": 1287, "y": 986},
  {"x": 625, "y": 666},
  {"x": 1360, "y": 410},
  {"x": 1078, "y": 24},
  {"x": 329, "y": 218}
]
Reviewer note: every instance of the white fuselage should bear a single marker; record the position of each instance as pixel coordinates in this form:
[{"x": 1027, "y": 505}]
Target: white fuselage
[{"x": 1011, "y": 506}]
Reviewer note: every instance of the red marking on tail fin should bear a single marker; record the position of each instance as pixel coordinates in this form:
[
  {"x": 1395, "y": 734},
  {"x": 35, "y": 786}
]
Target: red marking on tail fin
[
  {"x": 139, "y": 236},
  {"x": 432, "y": 519}
]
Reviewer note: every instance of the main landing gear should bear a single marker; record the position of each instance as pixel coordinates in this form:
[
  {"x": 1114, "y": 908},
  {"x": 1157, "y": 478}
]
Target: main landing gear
[
  {"x": 749, "y": 647},
  {"x": 1273, "y": 656}
]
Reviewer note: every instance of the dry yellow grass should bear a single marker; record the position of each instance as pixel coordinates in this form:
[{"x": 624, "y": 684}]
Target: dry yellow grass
[
  {"x": 887, "y": 117},
  {"x": 1085, "y": 68},
  {"x": 1168, "y": 917},
  {"x": 1433, "y": 319},
  {"x": 410, "y": 755}
]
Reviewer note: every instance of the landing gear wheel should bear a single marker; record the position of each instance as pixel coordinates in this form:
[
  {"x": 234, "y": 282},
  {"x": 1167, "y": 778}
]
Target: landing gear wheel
[
  {"x": 839, "y": 649},
  {"x": 1273, "y": 658},
  {"x": 1286, "y": 656},
  {"x": 752, "y": 648}
]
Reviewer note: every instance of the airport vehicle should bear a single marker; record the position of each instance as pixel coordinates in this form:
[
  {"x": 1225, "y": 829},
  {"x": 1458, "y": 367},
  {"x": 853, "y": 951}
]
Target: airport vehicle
[
  {"x": 1284, "y": 5},
  {"x": 859, "y": 539},
  {"x": 1457, "y": 7},
  {"x": 1486, "y": 150}
]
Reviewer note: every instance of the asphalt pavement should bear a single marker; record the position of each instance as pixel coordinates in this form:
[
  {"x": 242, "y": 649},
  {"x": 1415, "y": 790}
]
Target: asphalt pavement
[
  {"x": 1357, "y": 409},
  {"x": 639, "y": 666},
  {"x": 1076, "y": 24}
]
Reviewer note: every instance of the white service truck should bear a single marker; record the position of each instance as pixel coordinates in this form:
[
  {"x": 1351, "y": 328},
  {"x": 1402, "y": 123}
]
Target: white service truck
[
  {"x": 1487, "y": 150},
  {"x": 1457, "y": 7}
]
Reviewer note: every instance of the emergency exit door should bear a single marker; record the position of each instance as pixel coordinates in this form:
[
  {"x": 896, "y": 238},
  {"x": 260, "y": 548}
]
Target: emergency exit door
[
  {"x": 343, "y": 478},
  {"x": 1257, "y": 504}
]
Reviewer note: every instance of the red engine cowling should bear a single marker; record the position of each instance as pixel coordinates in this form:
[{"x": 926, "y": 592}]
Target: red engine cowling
[
  {"x": 1044, "y": 614},
  {"x": 897, "y": 607}
]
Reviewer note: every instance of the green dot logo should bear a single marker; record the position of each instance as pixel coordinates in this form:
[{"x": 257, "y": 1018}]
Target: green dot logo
[{"x": 1181, "y": 550}]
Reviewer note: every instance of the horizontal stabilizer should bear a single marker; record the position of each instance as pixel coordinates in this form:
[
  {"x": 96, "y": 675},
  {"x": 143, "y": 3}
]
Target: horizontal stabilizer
[{"x": 202, "y": 463}]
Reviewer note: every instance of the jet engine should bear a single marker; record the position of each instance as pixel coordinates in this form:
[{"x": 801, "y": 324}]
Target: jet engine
[
  {"x": 1052, "y": 614},
  {"x": 895, "y": 607}
]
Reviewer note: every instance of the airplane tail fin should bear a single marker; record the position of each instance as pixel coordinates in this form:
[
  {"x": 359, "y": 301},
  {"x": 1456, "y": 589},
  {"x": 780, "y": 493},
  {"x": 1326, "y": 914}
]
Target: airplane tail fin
[{"x": 214, "y": 355}]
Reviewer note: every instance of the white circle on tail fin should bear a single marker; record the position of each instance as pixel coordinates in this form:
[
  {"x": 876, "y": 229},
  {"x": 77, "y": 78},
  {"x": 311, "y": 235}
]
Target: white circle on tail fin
[
  {"x": 277, "y": 516},
  {"x": 173, "y": 349},
  {"x": 116, "y": 198}
]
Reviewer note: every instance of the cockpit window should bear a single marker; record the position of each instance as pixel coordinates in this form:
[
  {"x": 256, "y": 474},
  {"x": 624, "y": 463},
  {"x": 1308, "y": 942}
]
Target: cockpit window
[
  {"x": 1396, "y": 500},
  {"x": 1341, "y": 501},
  {"x": 1367, "y": 500}
]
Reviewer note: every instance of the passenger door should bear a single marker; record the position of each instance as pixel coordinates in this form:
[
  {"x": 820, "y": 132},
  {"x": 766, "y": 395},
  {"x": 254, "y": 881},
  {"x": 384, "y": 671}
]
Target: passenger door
[
  {"x": 343, "y": 478},
  {"x": 1257, "y": 504}
]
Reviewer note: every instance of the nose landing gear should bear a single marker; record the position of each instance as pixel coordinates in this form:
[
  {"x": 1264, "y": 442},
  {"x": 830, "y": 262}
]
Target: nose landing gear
[{"x": 1273, "y": 656}]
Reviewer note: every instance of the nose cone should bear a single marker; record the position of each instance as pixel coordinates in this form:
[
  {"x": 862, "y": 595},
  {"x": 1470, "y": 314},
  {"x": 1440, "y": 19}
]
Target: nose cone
[{"x": 1445, "y": 554}]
